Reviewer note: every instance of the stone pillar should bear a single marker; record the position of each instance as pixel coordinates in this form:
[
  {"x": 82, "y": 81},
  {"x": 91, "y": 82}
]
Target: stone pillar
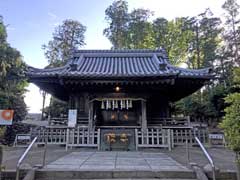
[{"x": 144, "y": 115}]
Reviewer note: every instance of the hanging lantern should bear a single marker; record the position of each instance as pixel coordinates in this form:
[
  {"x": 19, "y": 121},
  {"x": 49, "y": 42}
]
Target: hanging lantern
[{"x": 102, "y": 105}]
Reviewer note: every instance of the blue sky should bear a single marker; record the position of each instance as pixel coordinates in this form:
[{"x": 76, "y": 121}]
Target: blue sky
[{"x": 31, "y": 23}]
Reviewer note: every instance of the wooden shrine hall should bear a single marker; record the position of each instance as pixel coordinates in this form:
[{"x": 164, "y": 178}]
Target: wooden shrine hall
[{"x": 120, "y": 96}]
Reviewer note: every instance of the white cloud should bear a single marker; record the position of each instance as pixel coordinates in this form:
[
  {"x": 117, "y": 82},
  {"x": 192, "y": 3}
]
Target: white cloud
[
  {"x": 53, "y": 19},
  {"x": 10, "y": 28},
  {"x": 52, "y": 15}
]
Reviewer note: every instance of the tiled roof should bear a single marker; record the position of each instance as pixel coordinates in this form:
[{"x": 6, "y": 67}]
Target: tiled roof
[{"x": 118, "y": 64}]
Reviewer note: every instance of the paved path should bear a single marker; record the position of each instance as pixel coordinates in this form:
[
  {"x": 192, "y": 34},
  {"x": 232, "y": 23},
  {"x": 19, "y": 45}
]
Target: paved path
[{"x": 116, "y": 161}]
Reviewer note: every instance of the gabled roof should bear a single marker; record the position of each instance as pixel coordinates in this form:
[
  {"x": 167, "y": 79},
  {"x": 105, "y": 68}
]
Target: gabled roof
[{"x": 114, "y": 64}]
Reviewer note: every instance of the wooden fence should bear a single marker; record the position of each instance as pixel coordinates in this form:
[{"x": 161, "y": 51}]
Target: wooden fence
[
  {"x": 180, "y": 136},
  {"x": 53, "y": 135},
  {"x": 82, "y": 137},
  {"x": 153, "y": 137}
]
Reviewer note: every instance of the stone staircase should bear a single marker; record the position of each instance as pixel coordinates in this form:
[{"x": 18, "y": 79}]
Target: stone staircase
[
  {"x": 114, "y": 165},
  {"x": 117, "y": 175}
]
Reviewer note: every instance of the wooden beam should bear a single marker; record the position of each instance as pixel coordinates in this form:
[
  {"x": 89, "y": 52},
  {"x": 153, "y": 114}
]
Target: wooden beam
[
  {"x": 90, "y": 117},
  {"x": 144, "y": 116}
]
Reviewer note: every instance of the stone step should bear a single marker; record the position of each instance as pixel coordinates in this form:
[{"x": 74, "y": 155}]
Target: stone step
[
  {"x": 50, "y": 174},
  {"x": 133, "y": 179}
]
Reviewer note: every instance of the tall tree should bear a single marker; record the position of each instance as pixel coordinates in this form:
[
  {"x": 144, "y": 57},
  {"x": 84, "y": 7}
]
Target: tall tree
[
  {"x": 231, "y": 120},
  {"x": 12, "y": 77},
  {"x": 66, "y": 38},
  {"x": 140, "y": 30},
  {"x": 160, "y": 29},
  {"x": 206, "y": 40},
  {"x": 117, "y": 17},
  {"x": 232, "y": 30}
]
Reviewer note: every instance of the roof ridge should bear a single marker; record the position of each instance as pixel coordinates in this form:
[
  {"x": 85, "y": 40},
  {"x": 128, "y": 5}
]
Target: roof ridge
[{"x": 159, "y": 50}]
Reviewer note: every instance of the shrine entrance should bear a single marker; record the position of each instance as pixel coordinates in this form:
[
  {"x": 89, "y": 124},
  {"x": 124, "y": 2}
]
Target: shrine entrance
[
  {"x": 117, "y": 112},
  {"x": 117, "y": 118}
]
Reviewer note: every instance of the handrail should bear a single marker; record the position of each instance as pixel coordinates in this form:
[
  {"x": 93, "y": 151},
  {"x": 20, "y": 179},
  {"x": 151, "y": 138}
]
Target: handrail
[
  {"x": 208, "y": 157},
  {"x": 23, "y": 157}
]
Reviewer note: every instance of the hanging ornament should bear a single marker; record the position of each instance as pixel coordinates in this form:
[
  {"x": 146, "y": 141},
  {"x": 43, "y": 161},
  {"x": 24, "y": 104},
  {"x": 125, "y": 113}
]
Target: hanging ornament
[
  {"x": 123, "y": 104},
  {"x": 102, "y": 105},
  {"x": 107, "y": 105},
  {"x": 110, "y": 104},
  {"x": 116, "y": 104},
  {"x": 130, "y": 103},
  {"x": 113, "y": 104}
]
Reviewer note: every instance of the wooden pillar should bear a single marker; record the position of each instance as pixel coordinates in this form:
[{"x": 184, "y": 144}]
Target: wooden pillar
[
  {"x": 90, "y": 116},
  {"x": 144, "y": 116}
]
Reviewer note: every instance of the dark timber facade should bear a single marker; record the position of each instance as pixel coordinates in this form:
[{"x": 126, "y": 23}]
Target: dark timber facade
[{"x": 119, "y": 88}]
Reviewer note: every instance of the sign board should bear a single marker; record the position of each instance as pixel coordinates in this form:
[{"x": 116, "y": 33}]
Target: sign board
[
  {"x": 216, "y": 139},
  {"x": 72, "y": 117},
  {"x": 6, "y": 117},
  {"x": 22, "y": 140},
  {"x": 216, "y": 136}
]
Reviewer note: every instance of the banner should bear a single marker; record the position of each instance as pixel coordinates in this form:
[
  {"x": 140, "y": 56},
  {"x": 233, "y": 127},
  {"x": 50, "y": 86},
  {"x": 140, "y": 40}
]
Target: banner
[
  {"x": 72, "y": 117},
  {"x": 6, "y": 117}
]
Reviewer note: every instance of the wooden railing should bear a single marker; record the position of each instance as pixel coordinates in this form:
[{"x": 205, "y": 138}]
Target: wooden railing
[
  {"x": 153, "y": 137},
  {"x": 53, "y": 135},
  {"x": 63, "y": 121},
  {"x": 180, "y": 136},
  {"x": 175, "y": 121},
  {"x": 83, "y": 137},
  {"x": 58, "y": 121}
]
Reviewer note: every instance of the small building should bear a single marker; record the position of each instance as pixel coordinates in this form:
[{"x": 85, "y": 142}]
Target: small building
[{"x": 119, "y": 92}]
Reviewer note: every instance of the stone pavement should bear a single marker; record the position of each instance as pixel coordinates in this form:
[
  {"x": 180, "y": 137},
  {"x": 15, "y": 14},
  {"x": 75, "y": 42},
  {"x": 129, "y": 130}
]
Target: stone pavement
[{"x": 112, "y": 160}]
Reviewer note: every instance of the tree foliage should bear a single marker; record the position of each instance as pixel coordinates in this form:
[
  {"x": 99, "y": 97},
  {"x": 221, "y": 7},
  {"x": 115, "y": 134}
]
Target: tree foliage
[
  {"x": 118, "y": 18},
  {"x": 192, "y": 40},
  {"x": 66, "y": 38},
  {"x": 231, "y": 120},
  {"x": 12, "y": 77}
]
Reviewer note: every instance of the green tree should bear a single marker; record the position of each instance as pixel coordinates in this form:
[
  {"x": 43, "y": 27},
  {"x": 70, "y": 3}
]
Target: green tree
[
  {"x": 66, "y": 38},
  {"x": 118, "y": 18},
  {"x": 12, "y": 77},
  {"x": 140, "y": 30},
  {"x": 232, "y": 31},
  {"x": 231, "y": 120},
  {"x": 205, "y": 41},
  {"x": 12, "y": 84}
]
